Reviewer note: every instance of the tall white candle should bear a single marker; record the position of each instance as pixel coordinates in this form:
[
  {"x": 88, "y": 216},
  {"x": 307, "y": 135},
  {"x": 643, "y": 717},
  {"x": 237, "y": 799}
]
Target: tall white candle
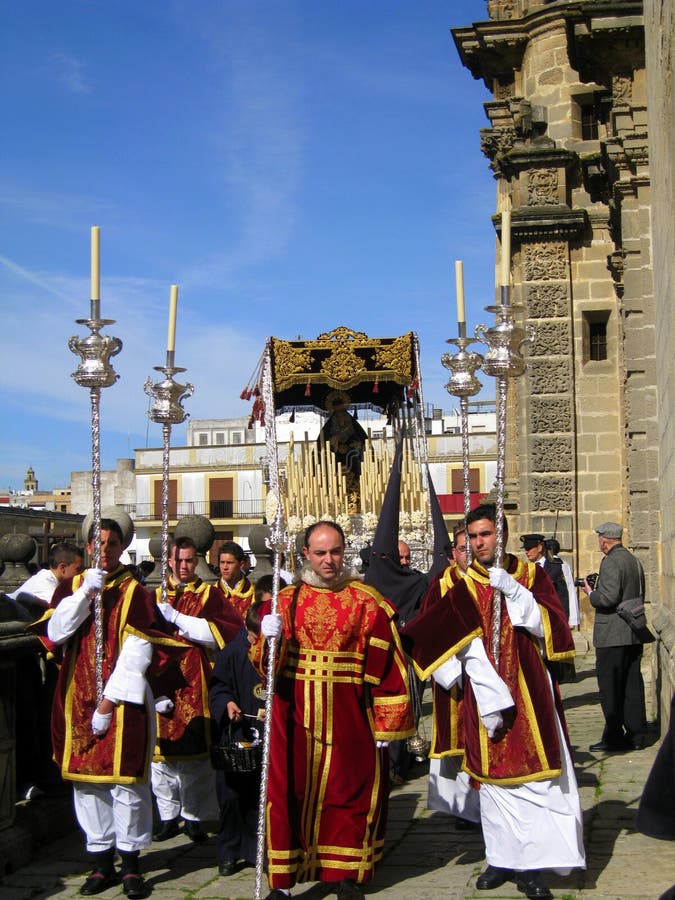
[
  {"x": 506, "y": 248},
  {"x": 459, "y": 285},
  {"x": 95, "y": 263},
  {"x": 173, "y": 306}
]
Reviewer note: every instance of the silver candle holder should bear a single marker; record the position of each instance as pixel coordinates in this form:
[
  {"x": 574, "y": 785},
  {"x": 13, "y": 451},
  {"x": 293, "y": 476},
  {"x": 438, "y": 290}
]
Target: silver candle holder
[
  {"x": 504, "y": 360},
  {"x": 278, "y": 541},
  {"x": 463, "y": 383},
  {"x": 95, "y": 372},
  {"x": 167, "y": 410}
]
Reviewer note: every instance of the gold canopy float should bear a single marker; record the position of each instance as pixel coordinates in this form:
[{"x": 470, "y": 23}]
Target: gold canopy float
[{"x": 345, "y": 473}]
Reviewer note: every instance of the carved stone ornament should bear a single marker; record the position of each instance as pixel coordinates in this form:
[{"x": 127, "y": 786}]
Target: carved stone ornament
[
  {"x": 622, "y": 89},
  {"x": 550, "y": 493},
  {"x": 547, "y": 417},
  {"x": 496, "y": 141},
  {"x": 501, "y": 9},
  {"x": 552, "y": 339},
  {"x": 549, "y": 376},
  {"x": 542, "y": 187},
  {"x": 544, "y": 262},
  {"x": 546, "y": 301},
  {"x": 504, "y": 90},
  {"x": 552, "y": 454}
]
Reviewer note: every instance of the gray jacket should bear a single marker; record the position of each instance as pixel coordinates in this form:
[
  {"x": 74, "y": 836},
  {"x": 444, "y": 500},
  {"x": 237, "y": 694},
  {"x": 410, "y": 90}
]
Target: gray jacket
[{"x": 621, "y": 578}]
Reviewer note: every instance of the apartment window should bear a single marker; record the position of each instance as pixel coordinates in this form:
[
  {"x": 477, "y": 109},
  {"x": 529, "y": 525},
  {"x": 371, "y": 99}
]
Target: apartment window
[
  {"x": 220, "y": 438},
  {"x": 237, "y": 437},
  {"x": 203, "y": 440},
  {"x": 457, "y": 476}
]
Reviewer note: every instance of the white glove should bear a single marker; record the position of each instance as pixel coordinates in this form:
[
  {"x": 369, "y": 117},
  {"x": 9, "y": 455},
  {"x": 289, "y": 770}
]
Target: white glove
[
  {"x": 93, "y": 580},
  {"x": 500, "y": 579},
  {"x": 164, "y": 705},
  {"x": 270, "y": 627},
  {"x": 492, "y": 721},
  {"x": 381, "y": 744},
  {"x": 169, "y": 612},
  {"x": 100, "y": 722}
]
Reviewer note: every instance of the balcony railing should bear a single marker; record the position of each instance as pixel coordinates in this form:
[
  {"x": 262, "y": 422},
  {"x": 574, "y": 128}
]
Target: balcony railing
[{"x": 212, "y": 509}]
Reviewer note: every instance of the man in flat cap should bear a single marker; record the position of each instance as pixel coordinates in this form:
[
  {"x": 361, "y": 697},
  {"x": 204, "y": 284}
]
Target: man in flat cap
[{"x": 618, "y": 650}]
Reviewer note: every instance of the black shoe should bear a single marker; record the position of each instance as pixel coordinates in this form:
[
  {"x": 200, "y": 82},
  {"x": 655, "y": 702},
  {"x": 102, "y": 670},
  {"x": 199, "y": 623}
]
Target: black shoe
[
  {"x": 166, "y": 830},
  {"x": 533, "y": 885},
  {"x": 493, "y": 877},
  {"x": 98, "y": 881},
  {"x": 349, "y": 890},
  {"x": 636, "y": 742},
  {"x": 276, "y": 894},
  {"x": 195, "y": 831},
  {"x": 227, "y": 867},
  {"x": 606, "y": 747},
  {"x": 134, "y": 886}
]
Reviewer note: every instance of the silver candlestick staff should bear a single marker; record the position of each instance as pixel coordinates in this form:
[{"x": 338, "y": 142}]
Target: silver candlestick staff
[
  {"x": 95, "y": 372},
  {"x": 503, "y": 360},
  {"x": 167, "y": 410},
  {"x": 463, "y": 383},
  {"x": 277, "y": 541}
]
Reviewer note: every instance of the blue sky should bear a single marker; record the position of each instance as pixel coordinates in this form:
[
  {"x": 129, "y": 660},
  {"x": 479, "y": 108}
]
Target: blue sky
[{"x": 293, "y": 165}]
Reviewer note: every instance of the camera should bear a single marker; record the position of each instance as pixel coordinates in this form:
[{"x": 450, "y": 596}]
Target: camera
[{"x": 592, "y": 580}]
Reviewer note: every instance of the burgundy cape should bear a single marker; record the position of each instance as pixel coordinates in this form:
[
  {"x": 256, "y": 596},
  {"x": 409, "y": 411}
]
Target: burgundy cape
[
  {"x": 186, "y": 732},
  {"x": 123, "y": 754}
]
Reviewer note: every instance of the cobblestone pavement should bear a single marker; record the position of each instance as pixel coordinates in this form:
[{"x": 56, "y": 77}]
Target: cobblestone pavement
[{"x": 425, "y": 856}]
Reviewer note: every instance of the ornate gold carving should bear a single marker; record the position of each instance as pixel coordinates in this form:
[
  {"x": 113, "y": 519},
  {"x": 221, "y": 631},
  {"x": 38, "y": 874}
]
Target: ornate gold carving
[
  {"x": 343, "y": 363},
  {"x": 342, "y": 333},
  {"x": 290, "y": 360},
  {"x": 395, "y": 357}
]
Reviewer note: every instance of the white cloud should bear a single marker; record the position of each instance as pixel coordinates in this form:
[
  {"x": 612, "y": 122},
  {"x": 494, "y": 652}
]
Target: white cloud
[{"x": 70, "y": 72}]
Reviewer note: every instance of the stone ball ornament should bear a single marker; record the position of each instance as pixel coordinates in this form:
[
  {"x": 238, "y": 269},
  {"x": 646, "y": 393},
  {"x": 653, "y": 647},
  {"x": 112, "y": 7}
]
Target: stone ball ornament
[
  {"x": 200, "y": 529},
  {"x": 117, "y": 514}
]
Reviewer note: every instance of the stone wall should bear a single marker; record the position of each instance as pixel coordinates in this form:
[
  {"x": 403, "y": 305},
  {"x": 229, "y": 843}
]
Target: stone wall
[{"x": 659, "y": 30}]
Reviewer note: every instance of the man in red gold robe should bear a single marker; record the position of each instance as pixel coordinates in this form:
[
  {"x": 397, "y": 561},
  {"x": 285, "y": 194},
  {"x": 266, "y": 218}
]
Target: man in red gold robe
[
  {"x": 183, "y": 780},
  {"x": 233, "y": 583},
  {"x": 105, "y": 747},
  {"x": 341, "y": 696},
  {"x": 515, "y": 737}
]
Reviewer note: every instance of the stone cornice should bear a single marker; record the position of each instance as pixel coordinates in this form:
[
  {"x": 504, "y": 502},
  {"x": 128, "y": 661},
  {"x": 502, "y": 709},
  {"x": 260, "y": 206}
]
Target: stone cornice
[
  {"x": 552, "y": 222},
  {"x": 493, "y": 49}
]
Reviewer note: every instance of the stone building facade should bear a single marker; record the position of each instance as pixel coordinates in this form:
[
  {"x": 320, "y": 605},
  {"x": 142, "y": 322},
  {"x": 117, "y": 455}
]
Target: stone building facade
[{"x": 568, "y": 143}]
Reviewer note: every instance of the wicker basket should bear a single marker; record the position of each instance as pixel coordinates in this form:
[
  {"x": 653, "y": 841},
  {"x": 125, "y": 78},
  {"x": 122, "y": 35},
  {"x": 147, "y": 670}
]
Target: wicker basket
[{"x": 237, "y": 756}]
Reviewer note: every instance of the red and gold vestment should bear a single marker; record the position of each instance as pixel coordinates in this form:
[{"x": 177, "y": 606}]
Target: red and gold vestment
[
  {"x": 241, "y": 596},
  {"x": 529, "y": 749},
  {"x": 185, "y": 732},
  {"x": 123, "y": 754},
  {"x": 342, "y": 685}
]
